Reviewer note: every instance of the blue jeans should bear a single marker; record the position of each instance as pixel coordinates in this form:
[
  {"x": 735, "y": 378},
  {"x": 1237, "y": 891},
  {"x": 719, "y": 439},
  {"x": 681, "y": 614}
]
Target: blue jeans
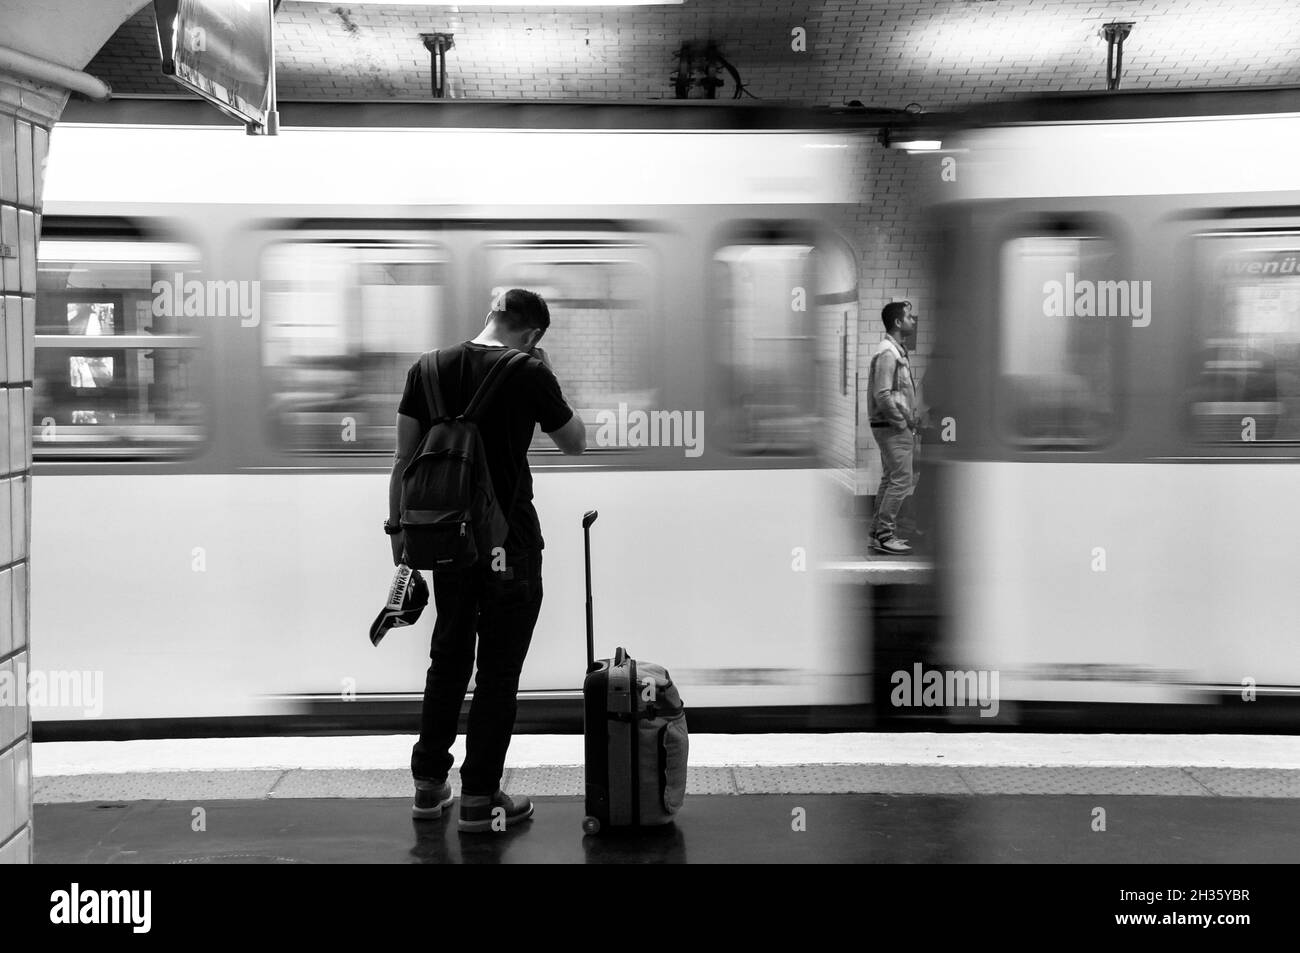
[
  {"x": 501, "y": 609},
  {"x": 897, "y": 478}
]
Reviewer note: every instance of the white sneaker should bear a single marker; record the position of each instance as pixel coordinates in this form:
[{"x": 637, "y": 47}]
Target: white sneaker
[{"x": 891, "y": 546}]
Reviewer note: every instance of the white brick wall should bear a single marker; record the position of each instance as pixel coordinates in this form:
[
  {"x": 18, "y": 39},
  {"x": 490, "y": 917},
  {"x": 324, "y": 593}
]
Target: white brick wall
[
  {"x": 939, "y": 53},
  {"x": 23, "y": 139}
]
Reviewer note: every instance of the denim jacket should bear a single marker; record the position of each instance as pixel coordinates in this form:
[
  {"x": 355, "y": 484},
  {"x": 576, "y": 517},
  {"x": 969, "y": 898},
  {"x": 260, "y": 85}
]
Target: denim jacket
[{"x": 887, "y": 404}]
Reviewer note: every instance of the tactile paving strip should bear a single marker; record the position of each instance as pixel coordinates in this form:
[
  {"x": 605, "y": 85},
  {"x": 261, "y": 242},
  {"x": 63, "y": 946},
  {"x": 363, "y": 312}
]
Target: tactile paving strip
[
  {"x": 346, "y": 784},
  {"x": 552, "y": 780},
  {"x": 160, "y": 786},
  {"x": 567, "y": 780},
  {"x": 1253, "y": 782},
  {"x": 1082, "y": 780},
  {"x": 711, "y": 780},
  {"x": 849, "y": 779}
]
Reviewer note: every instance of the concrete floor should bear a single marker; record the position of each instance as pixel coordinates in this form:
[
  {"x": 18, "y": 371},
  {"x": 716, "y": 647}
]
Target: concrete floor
[{"x": 759, "y": 829}]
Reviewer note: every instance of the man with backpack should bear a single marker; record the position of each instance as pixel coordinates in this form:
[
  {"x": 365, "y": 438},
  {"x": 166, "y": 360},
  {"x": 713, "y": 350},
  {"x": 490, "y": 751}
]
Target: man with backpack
[
  {"x": 891, "y": 404},
  {"x": 497, "y": 595}
]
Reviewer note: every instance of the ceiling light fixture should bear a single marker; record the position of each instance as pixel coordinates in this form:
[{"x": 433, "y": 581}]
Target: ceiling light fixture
[
  {"x": 912, "y": 143},
  {"x": 909, "y": 132}
]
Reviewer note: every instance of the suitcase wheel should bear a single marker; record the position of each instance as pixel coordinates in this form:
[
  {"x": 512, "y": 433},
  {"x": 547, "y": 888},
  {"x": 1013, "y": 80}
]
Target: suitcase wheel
[{"x": 590, "y": 825}]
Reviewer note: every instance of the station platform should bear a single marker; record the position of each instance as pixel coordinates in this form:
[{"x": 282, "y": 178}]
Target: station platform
[{"x": 836, "y": 798}]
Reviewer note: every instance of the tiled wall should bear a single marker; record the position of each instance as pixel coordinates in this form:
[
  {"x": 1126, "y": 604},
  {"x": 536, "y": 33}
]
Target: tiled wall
[
  {"x": 24, "y": 135},
  {"x": 940, "y": 53}
]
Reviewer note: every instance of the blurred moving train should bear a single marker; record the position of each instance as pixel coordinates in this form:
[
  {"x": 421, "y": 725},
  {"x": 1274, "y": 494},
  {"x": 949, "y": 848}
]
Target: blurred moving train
[
  {"x": 224, "y": 326},
  {"x": 1119, "y": 301}
]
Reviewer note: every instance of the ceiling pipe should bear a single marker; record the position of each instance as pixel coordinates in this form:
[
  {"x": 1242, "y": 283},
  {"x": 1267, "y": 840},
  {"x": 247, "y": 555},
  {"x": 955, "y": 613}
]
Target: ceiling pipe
[{"x": 26, "y": 66}]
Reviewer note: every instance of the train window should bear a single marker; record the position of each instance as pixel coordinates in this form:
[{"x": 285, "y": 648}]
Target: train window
[
  {"x": 1057, "y": 372},
  {"x": 837, "y": 302},
  {"x": 601, "y": 342},
  {"x": 345, "y": 320},
  {"x": 762, "y": 293},
  {"x": 117, "y": 370},
  {"x": 1246, "y": 375}
]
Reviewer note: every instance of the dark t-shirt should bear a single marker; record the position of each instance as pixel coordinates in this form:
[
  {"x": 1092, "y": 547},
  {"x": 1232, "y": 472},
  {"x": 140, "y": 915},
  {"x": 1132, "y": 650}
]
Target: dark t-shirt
[{"x": 528, "y": 397}]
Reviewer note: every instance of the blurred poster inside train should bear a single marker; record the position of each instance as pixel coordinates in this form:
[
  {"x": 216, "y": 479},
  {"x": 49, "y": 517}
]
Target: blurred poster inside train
[{"x": 220, "y": 49}]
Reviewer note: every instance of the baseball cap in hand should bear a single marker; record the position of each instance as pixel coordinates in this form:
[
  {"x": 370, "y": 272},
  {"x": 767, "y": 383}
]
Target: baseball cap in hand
[{"x": 407, "y": 597}]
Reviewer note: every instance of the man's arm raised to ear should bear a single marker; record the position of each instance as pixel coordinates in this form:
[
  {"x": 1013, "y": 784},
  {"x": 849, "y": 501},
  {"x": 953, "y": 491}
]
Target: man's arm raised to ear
[{"x": 572, "y": 437}]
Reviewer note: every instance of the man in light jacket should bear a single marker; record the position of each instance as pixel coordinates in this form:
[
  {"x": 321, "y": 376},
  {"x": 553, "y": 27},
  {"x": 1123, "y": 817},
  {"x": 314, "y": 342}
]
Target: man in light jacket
[{"x": 894, "y": 417}]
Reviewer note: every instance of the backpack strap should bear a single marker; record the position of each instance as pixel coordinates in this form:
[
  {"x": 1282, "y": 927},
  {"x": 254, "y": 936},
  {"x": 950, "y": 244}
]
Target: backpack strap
[
  {"x": 495, "y": 376},
  {"x": 432, "y": 387}
]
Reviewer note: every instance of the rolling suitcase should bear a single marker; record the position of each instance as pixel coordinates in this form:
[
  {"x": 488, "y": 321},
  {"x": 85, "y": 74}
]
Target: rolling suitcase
[{"x": 635, "y": 737}]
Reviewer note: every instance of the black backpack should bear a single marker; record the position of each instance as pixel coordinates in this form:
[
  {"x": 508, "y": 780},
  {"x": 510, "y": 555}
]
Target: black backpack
[{"x": 451, "y": 517}]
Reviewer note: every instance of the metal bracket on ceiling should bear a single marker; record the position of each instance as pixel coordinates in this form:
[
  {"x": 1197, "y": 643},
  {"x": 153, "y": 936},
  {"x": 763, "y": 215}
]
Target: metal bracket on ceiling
[
  {"x": 1115, "y": 34},
  {"x": 438, "y": 44}
]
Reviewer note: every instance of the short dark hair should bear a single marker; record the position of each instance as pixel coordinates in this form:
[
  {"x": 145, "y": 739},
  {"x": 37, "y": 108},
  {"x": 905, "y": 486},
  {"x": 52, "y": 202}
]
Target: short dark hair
[
  {"x": 520, "y": 310},
  {"x": 893, "y": 312}
]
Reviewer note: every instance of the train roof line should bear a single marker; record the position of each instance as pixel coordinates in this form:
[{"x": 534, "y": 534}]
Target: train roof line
[
  {"x": 674, "y": 114},
  {"x": 586, "y": 114},
  {"x": 1123, "y": 106}
]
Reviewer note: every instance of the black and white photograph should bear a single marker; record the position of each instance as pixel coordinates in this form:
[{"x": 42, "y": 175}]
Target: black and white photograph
[{"x": 742, "y": 432}]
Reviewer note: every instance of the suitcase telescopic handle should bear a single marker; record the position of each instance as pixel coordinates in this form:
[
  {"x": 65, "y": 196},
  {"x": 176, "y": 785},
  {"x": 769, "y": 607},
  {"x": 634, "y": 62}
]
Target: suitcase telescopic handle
[{"x": 588, "y": 518}]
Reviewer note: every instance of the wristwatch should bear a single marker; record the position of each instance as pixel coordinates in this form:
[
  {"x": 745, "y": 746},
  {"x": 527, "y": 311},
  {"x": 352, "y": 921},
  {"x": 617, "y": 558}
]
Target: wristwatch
[{"x": 392, "y": 529}]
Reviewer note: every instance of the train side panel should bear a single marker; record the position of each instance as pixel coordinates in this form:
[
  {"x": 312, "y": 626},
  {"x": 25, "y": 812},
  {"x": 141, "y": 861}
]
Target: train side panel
[
  {"x": 237, "y": 575},
  {"x": 1121, "y": 521}
]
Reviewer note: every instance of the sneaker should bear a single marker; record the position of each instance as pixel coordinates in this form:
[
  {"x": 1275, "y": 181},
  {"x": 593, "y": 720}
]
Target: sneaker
[
  {"x": 431, "y": 797},
  {"x": 891, "y": 546},
  {"x": 479, "y": 812}
]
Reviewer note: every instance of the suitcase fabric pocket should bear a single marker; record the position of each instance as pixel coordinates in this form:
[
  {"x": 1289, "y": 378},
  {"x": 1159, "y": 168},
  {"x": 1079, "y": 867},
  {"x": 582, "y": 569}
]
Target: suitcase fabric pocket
[{"x": 674, "y": 744}]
